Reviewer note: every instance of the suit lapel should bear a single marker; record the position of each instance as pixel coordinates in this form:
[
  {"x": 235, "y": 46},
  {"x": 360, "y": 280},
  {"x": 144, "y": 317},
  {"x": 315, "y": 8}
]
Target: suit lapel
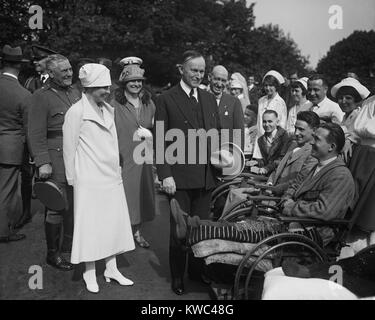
[
  {"x": 284, "y": 162},
  {"x": 223, "y": 105},
  {"x": 206, "y": 110},
  {"x": 275, "y": 143},
  {"x": 183, "y": 104},
  {"x": 311, "y": 180},
  {"x": 296, "y": 155}
]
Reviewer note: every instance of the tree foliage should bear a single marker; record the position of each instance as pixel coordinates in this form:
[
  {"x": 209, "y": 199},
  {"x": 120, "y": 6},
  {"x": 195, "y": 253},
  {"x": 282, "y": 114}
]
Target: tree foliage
[
  {"x": 158, "y": 31},
  {"x": 355, "y": 53}
]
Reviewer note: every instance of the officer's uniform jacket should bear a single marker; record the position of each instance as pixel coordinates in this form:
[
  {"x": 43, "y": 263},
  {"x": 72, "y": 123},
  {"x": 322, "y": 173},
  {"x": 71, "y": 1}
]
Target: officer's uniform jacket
[{"x": 48, "y": 106}]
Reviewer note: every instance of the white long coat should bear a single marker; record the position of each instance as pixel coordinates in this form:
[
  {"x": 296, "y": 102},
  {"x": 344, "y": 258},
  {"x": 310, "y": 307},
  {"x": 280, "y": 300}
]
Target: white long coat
[{"x": 101, "y": 219}]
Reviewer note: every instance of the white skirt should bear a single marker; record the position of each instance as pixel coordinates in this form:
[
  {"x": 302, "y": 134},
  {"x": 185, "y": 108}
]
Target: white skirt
[{"x": 101, "y": 222}]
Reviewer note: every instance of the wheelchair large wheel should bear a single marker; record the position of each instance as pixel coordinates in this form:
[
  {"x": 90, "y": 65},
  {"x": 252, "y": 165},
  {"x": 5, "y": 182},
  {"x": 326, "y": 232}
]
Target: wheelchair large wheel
[{"x": 292, "y": 239}]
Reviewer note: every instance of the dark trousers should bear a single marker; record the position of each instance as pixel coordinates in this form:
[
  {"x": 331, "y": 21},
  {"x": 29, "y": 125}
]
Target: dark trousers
[
  {"x": 194, "y": 202},
  {"x": 10, "y": 204},
  {"x": 26, "y": 186}
]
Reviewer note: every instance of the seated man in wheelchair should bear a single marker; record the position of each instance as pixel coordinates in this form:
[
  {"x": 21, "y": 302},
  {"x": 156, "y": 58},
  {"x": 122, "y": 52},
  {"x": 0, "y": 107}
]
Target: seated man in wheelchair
[
  {"x": 296, "y": 161},
  {"x": 273, "y": 145},
  {"x": 324, "y": 194}
]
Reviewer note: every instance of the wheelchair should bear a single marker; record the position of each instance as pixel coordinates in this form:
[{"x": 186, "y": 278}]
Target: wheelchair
[{"x": 298, "y": 245}]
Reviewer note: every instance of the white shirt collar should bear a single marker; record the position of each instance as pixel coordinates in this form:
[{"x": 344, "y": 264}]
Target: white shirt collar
[
  {"x": 326, "y": 162},
  {"x": 187, "y": 89},
  {"x": 10, "y": 75}
]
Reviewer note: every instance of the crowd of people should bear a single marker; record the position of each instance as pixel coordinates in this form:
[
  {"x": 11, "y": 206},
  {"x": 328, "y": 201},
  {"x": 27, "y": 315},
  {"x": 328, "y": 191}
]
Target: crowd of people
[{"x": 80, "y": 138}]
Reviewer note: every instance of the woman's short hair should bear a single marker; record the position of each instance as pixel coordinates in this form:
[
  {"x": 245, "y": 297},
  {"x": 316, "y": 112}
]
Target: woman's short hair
[
  {"x": 271, "y": 81},
  {"x": 310, "y": 117},
  {"x": 336, "y": 135},
  {"x": 297, "y": 84},
  {"x": 349, "y": 91}
]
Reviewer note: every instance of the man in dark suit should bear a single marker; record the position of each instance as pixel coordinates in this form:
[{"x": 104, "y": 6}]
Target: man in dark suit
[
  {"x": 32, "y": 84},
  {"x": 273, "y": 145},
  {"x": 254, "y": 94},
  {"x": 48, "y": 106},
  {"x": 186, "y": 107},
  {"x": 230, "y": 109},
  {"x": 13, "y": 115}
]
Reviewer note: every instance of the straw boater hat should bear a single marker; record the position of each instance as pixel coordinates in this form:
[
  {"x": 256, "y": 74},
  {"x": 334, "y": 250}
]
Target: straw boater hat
[
  {"x": 353, "y": 83},
  {"x": 230, "y": 159}
]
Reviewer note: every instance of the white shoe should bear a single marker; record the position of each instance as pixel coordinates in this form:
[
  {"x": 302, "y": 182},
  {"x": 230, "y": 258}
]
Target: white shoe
[
  {"x": 117, "y": 276},
  {"x": 91, "y": 284}
]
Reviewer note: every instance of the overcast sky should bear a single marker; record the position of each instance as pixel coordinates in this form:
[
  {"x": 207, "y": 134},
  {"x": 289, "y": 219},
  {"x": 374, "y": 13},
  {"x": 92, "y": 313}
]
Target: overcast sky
[{"x": 307, "y": 21}]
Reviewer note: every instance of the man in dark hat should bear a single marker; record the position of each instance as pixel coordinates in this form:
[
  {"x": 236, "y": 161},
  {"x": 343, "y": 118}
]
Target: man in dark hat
[
  {"x": 13, "y": 115},
  {"x": 46, "y": 117},
  {"x": 32, "y": 84},
  {"x": 40, "y": 55}
]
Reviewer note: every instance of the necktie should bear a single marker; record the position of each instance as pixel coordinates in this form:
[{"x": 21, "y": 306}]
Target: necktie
[{"x": 191, "y": 95}]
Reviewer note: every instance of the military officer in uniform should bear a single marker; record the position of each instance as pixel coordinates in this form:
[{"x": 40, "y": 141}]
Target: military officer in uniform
[
  {"x": 48, "y": 106},
  {"x": 32, "y": 84},
  {"x": 40, "y": 55}
]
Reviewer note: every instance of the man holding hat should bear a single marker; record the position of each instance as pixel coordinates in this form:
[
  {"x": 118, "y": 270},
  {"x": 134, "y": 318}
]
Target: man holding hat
[
  {"x": 32, "y": 84},
  {"x": 48, "y": 106},
  {"x": 13, "y": 116},
  {"x": 185, "y": 107}
]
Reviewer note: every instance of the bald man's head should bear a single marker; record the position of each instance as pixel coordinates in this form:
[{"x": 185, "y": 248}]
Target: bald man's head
[{"x": 218, "y": 79}]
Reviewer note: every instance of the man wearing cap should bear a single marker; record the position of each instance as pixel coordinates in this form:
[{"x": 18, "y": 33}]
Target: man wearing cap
[
  {"x": 13, "y": 123},
  {"x": 32, "y": 84},
  {"x": 185, "y": 107},
  {"x": 230, "y": 109},
  {"x": 40, "y": 55},
  {"x": 325, "y": 108},
  {"x": 48, "y": 106}
]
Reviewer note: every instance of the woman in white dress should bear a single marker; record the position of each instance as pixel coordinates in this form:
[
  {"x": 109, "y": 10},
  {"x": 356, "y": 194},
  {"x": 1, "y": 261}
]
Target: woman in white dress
[
  {"x": 102, "y": 226},
  {"x": 298, "y": 93}
]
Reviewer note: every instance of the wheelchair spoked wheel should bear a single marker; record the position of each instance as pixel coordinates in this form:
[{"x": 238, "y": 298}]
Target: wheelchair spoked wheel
[{"x": 291, "y": 239}]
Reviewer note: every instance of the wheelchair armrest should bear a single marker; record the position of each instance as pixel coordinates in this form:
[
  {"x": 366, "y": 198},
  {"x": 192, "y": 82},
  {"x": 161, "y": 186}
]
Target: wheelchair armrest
[
  {"x": 263, "y": 198},
  {"x": 313, "y": 221}
]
